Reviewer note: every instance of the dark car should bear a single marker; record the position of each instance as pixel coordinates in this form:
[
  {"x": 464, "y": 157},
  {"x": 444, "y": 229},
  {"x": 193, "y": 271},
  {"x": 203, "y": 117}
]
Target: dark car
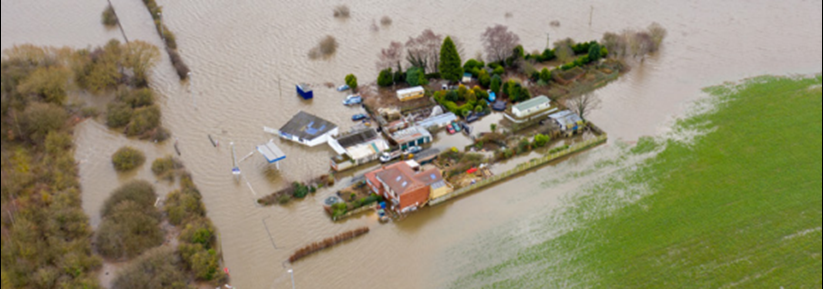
[{"x": 359, "y": 117}]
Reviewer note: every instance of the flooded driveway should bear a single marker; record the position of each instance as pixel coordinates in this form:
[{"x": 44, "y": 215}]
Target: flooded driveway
[{"x": 247, "y": 55}]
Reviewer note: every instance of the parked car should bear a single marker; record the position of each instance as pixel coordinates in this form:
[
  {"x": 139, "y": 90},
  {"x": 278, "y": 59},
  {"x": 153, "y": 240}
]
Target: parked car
[
  {"x": 359, "y": 117},
  {"x": 456, "y": 127},
  {"x": 387, "y": 157},
  {"x": 353, "y": 100},
  {"x": 450, "y": 129},
  {"x": 343, "y": 88},
  {"x": 414, "y": 150},
  {"x": 467, "y": 129}
]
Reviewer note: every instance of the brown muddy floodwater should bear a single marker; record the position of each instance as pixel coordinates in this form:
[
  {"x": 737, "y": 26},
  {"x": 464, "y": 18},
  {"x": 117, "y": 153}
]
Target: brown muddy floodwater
[{"x": 243, "y": 53}]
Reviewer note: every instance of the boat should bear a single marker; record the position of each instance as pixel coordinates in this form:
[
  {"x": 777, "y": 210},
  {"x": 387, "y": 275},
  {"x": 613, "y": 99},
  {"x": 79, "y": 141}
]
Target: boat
[
  {"x": 305, "y": 92},
  {"x": 343, "y": 88}
]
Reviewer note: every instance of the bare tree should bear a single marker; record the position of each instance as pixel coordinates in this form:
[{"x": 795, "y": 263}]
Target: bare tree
[
  {"x": 424, "y": 51},
  {"x": 499, "y": 42},
  {"x": 616, "y": 44},
  {"x": 564, "y": 53},
  {"x": 584, "y": 104},
  {"x": 643, "y": 44},
  {"x": 390, "y": 57},
  {"x": 658, "y": 34}
]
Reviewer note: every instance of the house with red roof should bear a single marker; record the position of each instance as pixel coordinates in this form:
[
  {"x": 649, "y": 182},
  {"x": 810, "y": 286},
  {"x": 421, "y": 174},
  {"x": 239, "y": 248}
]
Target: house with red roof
[{"x": 404, "y": 186}]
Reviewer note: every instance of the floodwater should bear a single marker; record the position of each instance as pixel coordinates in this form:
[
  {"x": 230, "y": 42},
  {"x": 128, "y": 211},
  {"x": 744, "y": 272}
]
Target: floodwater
[{"x": 247, "y": 55}]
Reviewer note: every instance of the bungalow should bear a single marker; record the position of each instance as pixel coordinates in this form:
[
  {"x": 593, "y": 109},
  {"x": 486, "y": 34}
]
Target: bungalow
[
  {"x": 308, "y": 130},
  {"x": 531, "y": 110},
  {"x": 405, "y": 187},
  {"x": 413, "y": 136},
  {"x": 357, "y": 149},
  {"x": 411, "y": 93}
]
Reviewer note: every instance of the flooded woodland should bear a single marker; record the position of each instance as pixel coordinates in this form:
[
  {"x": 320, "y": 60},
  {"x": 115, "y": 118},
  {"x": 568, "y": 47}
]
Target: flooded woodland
[{"x": 246, "y": 57}]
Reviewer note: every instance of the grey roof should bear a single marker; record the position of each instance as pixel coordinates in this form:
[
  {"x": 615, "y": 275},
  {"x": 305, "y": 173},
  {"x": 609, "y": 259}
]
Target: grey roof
[
  {"x": 411, "y": 134},
  {"x": 307, "y": 126},
  {"x": 271, "y": 152},
  {"x": 357, "y": 138},
  {"x": 526, "y": 105},
  {"x": 566, "y": 117}
]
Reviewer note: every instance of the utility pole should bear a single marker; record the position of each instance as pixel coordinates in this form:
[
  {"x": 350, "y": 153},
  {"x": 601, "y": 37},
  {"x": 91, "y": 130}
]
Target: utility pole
[
  {"x": 191, "y": 89},
  {"x": 291, "y": 272},
  {"x": 591, "y": 16}
]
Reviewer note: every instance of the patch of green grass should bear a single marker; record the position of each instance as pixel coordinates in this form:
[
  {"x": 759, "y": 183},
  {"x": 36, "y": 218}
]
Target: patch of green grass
[{"x": 739, "y": 207}]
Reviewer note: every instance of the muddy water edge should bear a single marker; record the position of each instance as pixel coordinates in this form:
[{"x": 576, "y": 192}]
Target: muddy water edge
[{"x": 247, "y": 55}]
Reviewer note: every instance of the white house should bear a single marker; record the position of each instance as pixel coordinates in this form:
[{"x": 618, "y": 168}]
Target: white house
[
  {"x": 532, "y": 106},
  {"x": 411, "y": 93},
  {"x": 308, "y": 130}
]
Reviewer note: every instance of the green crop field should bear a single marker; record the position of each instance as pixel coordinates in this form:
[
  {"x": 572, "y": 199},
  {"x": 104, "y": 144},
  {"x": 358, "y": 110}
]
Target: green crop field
[{"x": 737, "y": 207}]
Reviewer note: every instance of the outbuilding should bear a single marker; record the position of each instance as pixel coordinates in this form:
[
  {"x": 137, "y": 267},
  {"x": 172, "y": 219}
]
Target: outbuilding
[
  {"x": 308, "y": 130},
  {"x": 411, "y": 93}
]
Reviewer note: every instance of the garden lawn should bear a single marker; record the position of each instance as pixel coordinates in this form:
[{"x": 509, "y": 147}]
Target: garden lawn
[{"x": 739, "y": 207}]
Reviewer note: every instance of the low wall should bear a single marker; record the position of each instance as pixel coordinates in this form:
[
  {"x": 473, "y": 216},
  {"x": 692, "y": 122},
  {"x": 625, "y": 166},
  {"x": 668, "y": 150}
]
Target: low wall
[{"x": 521, "y": 168}]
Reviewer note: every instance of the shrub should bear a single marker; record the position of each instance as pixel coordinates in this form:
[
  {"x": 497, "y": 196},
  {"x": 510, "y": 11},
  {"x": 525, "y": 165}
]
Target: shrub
[
  {"x": 342, "y": 11},
  {"x": 118, "y": 115},
  {"x": 541, "y": 140},
  {"x": 158, "y": 268},
  {"x": 139, "y": 98},
  {"x": 415, "y": 76},
  {"x": 545, "y": 75},
  {"x": 199, "y": 231},
  {"x": 183, "y": 205},
  {"x": 484, "y": 78},
  {"x": 351, "y": 81},
  {"x": 499, "y": 71},
  {"x": 140, "y": 193},
  {"x": 338, "y": 210},
  {"x": 385, "y": 21},
  {"x": 144, "y": 120},
  {"x": 327, "y": 46},
  {"x": 165, "y": 168},
  {"x": 58, "y": 143},
  {"x": 386, "y": 78},
  {"x": 127, "y": 159},
  {"x": 109, "y": 17},
  {"x": 179, "y": 66},
  {"x": 50, "y": 84},
  {"x": 284, "y": 199},
  {"x": 39, "y": 119},
  {"x": 496, "y": 83},
  {"x": 300, "y": 190},
  {"x": 128, "y": 231}
]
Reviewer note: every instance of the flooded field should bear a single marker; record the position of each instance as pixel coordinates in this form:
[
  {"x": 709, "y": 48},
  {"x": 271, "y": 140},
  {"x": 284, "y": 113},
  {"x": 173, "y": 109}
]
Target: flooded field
[{"x": 246, "y": 57}]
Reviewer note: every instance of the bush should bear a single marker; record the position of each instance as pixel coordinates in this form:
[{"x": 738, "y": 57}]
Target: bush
[
  {"x": 496, "y": 83},
  {"x": 183, "y": 205},
  {"x": 499, "y": 71},
  {"x": 415, "y": 77},
  {"x": 58, "y": 143},
  {"x": 50, "y": 84},
  {"x": 128, "y": 231},
  {"x": 385, "y": 21},
  {"x": 39, "y": 119},
  {"x": 541, "y": 140},
  {"x": 342, "y": 11},
  {"x": 484, "y": 78},
  {"x": 109, "y": 17},
  {"x": 386, "y": 78},
  {"x": 545, "y": 75},
  {"x": 165, "y": 168},
  {"x": 300, "y": 190},
  {"x": 351, "y": 81},
  {"x": 139, "y": 98},
  {"x": 118, "y": 115},
  {"x": 199, "y": 231},
  {"x": 145, "y": 119},
  {"x": 139, "y": 192},
  {"x": 158, "y": 268},
  {"x": 284, "y": 199},
  {"x": 339, "y": 209},
  {"x": 127, "y": 159}
]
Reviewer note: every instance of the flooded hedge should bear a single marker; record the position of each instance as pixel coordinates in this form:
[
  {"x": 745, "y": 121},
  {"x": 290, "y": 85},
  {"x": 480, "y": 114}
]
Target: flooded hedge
[{"x": 327, "y": 243}]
